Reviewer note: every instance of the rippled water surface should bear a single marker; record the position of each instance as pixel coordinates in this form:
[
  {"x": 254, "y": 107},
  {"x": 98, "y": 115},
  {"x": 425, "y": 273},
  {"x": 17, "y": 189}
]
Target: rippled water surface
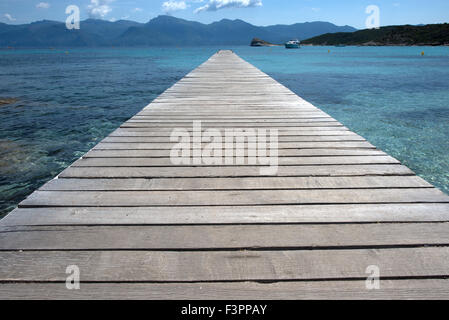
[{"x": 68, "y": 100}]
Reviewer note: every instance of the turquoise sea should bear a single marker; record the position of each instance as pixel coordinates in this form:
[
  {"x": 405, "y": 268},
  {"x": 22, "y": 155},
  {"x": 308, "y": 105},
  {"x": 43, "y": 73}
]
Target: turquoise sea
[{"x": 68, "y": 100}]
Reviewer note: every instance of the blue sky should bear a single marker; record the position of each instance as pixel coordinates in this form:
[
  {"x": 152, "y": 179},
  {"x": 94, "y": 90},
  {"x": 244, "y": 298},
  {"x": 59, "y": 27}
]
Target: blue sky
[{"x": 259, "y": 12}]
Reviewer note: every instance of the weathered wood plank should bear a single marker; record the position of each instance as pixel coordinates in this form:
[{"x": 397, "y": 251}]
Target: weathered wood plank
[
  {"x": 234, "y": 117},
  {"x": 236, "y": 183},
  {"x": 281, "y": 130},
  {"x": 229, "y": 198},
  {"x": 283, "y": 134},
  {"x": 223, "y": 237},
  {"x": 235, "y": 171},
  {"x": 281, "y": 145},
  {"x": 237, "y": 122},
  {"x": 134, "y": 139},
  {"x": 284, "y": 161},
  {"x": 347, "y": 213},
  {"x": 275, "y": 126},
  {"x": 164, "y": 266},
  {"x": 282, "y": 153},
  {"x": 347, "y": 290}
]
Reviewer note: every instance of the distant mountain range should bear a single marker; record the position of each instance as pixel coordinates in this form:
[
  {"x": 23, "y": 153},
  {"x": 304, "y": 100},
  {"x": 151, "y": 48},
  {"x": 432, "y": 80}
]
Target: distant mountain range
[
  {"x": 422, "y": 35},
  {"x": 160, "y": 31}
]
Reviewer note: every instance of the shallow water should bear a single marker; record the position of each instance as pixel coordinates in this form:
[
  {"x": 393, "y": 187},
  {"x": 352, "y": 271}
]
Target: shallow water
[{"x": 68, "y": 100}]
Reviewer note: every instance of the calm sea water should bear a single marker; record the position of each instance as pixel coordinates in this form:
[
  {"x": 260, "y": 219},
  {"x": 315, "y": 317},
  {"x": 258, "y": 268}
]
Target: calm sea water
[{"x": 68, "y": 100}]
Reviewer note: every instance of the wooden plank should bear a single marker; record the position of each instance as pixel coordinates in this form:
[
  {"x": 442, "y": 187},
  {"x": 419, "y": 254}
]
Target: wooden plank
[
  {"x": 359, "y": 213},
  {"x": 164, "y": 266},
  {"x": 265, "y": 113},
  {"x": 221, "y": 237},
  {"x": 238, "y": 122},
  {"x": 134, "y": 139},
  {"x": 429, "y": 289},
  {"x": 283, "y": 102},
  {"x": 230, "y": 198},
  {"x": 262, "y": 183},
  {"x": 238, "y": 105},
  {"x": 282, "y": 153},
  {"x": 235, "y": 171},
  {"x": 284, "y": 161},
  {"x": 282, "y": 130},
  {"x": 283, "y": 134},
  {"x": 235, "y": 117},
  {"x": 281, "y": 145},
  {"x": 212, "y": 104},
  {"x": 272, "y": 126}
]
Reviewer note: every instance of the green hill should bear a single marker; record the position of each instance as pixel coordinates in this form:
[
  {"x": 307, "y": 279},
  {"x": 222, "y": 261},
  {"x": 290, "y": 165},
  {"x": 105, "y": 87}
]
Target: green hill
[
  {"x": 160, "y": 31},
  {"x": 428, "y": 35}
]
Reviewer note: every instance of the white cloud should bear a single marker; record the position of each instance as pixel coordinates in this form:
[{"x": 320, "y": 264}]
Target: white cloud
[
  {"x": 170, "y": 6},
  {"x": 43, "y": 5},
  {"x": 9, "y": 17},
  {"x": 214, "y": 5},
  {"x": 99, "y": 8},
  {"x": 137, "y": 10}
]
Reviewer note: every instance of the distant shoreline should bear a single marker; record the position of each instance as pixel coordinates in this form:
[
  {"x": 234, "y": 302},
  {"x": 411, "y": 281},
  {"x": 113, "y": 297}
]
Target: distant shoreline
[
  {"x": 377, "y": 45},
  {"x": 435, "y": 35},
  {"x": 207, "y": 46}
]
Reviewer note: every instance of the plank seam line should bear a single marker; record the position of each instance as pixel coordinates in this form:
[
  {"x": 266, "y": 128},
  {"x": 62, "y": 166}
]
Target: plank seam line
[
  {"x": 229, "y": 224},
  {"x": 281, "y": 156},
  {"x": 230, "y": 190},
  {"x": 229, "y": 177},
  {"x": 302, "y": 148},
  {"x": 238, "y": 249},
  {"x": 32, "y": 228},
  {"x": 252, "y": 190},
  {"x": 247, "y": 165},
  {"x": 258, "y": 281},
  {"x": 230, "y": 166},
  {"x": 168, "y": 142},
  {"x": 222, "y": 205}
]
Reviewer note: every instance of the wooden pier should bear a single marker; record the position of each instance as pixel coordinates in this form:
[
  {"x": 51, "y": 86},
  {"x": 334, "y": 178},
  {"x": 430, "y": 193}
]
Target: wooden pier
[{"x": 139, "y": 227}]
